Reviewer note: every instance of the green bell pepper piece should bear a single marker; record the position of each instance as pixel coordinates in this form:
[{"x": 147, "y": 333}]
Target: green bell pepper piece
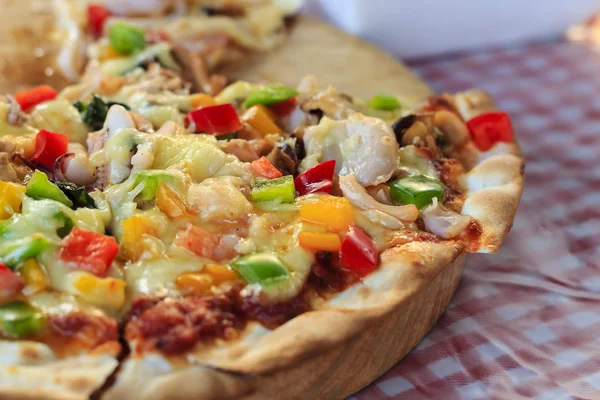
[
  {"x": 418, "y": 190},
  {"x": 14, "y": 252},
  {"x": 18, "y": 319},
  {"x": 151, "y": 181},
  {"x": 384, "y": 102},
  {"x": 262, "y": 268},
  {"x": 39, "y": 187},
  {"x": 280, "y": 189},
  {"x": 5, "y": 229},
  {"x": 126, "y": 39},
  {"x": 67, "y": 224},
  {"x": 269, "y": 95}
]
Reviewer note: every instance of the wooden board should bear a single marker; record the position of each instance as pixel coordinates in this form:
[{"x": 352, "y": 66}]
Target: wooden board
[{"x": 335, "y": 58}]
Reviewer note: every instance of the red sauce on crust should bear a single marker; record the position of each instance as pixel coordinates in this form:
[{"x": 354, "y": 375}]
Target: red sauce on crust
[
  {"x": 326, "y": 276},
  {"x": 472, "y": 235},
  {"x": 273, "y": 315},
  {"x": 76, "y": 331},
  {"x": 174, "y": 325},
  {"x": 450, "y": 169}
]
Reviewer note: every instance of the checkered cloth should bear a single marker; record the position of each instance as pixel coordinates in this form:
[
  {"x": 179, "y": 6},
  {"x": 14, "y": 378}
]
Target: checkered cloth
[{"x": 525, "y": 323}]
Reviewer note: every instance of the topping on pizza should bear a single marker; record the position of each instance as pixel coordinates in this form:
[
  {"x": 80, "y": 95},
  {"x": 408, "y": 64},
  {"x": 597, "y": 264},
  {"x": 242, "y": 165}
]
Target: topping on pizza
[{"x": 244, "y": 195}]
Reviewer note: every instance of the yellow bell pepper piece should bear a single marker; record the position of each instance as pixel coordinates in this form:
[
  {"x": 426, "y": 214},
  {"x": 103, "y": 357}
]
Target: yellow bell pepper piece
[
  {"x": 321, "y": 241},
  {"x": 108, "y": 52},
  {"x": 333, "y": 212},
  {"x": 202, "y": 100},
  {"x": 169, "y": 202},
  {"x": 261, "y": 119},
  {"x": 103, "y": 292},
  {"x": 34, "y": 276},
  {"x": 11, "y": 196},
  {"x": 220, "y": 273},
  {"x": 134, "y": 228},
  {"x": 195, "y": 281}
]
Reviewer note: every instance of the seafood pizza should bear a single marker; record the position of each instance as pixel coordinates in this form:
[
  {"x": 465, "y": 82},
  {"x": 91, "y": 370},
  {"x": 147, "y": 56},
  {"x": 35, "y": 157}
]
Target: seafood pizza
[{"x": 167, "y": 239}]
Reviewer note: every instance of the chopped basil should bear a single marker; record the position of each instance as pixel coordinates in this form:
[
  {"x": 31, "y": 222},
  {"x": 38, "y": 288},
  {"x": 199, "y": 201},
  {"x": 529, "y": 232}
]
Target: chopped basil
[
  {"x": 94, "y": 113},
  {"x": 78, "y": 195},
  {"x": 68, "y": 224}
]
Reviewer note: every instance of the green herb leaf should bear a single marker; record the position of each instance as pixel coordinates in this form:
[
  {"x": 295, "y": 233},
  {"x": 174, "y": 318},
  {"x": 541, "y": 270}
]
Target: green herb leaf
[
  {"x": 78, "y": 195},
  {"x": 95, "y": 113},
  {"x": 68, "y": 224}
]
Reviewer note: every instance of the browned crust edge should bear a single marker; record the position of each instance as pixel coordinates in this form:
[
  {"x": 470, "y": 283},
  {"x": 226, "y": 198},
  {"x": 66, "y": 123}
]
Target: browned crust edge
[
  {"x": 496, "y": 178},
  {"x": 405, "y": 271}
]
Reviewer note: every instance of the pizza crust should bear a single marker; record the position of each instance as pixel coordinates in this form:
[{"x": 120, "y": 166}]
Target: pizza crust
[
  {"x": 495, "y": 179},
  {"x": 31, "y": 370},
  {"x": 233, "y": 371}
]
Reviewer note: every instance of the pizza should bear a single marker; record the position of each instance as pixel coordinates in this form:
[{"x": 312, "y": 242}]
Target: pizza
[
  {"x": 203, "y": 35},
  {"x": 158, "y": 242}
]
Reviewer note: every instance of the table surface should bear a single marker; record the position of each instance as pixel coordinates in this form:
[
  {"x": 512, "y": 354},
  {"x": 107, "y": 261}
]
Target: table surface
[{"x": 524, "y": 323}]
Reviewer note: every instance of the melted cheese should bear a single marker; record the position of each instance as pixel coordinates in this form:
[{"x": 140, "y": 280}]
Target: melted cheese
[
  {"x": 60, "y": 116},
  {"x": 7, "y": 129},
  {"x": 200, "y": 156},
  {"x": 413, "y": 163},
  {"x": 158, "y": 276}
]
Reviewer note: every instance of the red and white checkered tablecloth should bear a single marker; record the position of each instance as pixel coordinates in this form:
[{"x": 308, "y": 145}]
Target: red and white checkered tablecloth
[{"x": 525, "y": 323}]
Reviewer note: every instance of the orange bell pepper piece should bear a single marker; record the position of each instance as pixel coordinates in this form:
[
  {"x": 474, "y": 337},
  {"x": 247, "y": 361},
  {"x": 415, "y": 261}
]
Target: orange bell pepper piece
[
  {"x": 202, "y": 100},
  {"x": 333, "y": 212},
  {"x": 261, "y": 119},
  {"x": 320, "y": 241},
  {"x": 220, "y": 273},
  {"x": 134, "y": 229},
  {"x": 169, "y": 202},
  {"x": 195, "y": 281},
  {"x": 264, "y": 168}
]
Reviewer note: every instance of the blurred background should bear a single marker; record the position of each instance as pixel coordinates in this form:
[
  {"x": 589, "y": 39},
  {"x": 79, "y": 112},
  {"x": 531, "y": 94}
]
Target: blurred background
[{"x": 412, "y": 29}]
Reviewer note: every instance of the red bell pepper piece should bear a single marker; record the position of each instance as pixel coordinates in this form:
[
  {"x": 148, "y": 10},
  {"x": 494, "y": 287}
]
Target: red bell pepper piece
[
  {"x": 10, "y": 283},
  {"x": 89, "y": 251},
  {"x": 489, "y": 128},
  {"x": 97, "y": 16},
  {"x": 48, "y": 147},
  {"x": 32, "y": 97},
  {"x": 217, "y": 120},
  {"x": 284, "y": 108},
  {"x": 358, "y": 253},
  {"x": 264, "y": 168},
  {"x": 316, "y": 179}
]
